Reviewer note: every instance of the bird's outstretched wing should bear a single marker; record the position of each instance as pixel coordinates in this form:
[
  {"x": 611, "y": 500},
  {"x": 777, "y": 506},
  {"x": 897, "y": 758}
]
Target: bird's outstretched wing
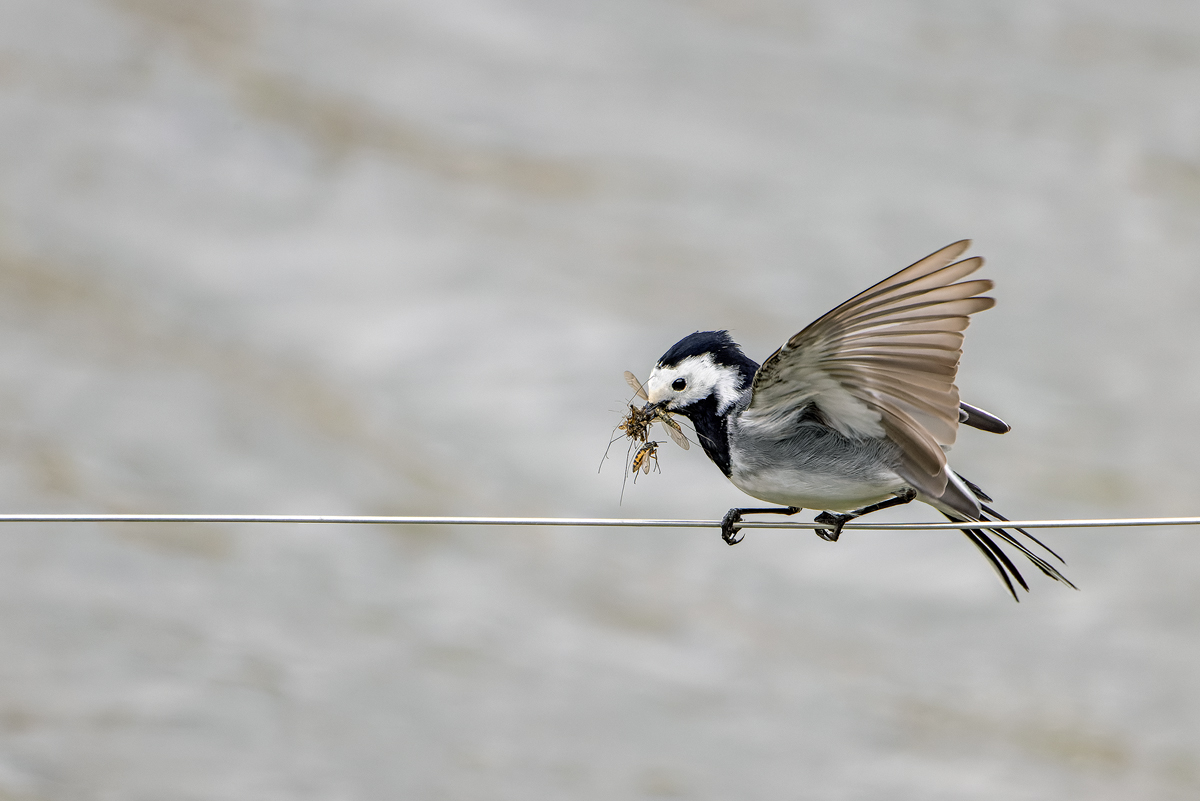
[{"x": 883, "y": 364}]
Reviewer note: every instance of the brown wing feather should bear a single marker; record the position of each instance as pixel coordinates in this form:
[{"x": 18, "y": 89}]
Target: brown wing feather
[{"x": 883, "y": 363}]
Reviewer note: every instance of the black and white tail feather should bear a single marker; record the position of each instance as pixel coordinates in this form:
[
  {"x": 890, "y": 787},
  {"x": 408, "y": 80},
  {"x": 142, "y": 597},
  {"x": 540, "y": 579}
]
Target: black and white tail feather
[{"x": 996, "y": 557}]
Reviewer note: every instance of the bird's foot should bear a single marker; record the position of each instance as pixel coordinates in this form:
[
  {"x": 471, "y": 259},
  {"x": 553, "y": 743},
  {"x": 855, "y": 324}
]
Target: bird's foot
[
  {"x": 834, "y": 519},
  {"x": 730, "y": 532},
  {"x": 729, "y": 524}
]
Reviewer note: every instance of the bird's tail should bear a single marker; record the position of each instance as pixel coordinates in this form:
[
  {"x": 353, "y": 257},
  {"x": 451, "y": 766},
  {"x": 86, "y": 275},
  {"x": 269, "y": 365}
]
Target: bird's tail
[{"x": 998, "y": 558}]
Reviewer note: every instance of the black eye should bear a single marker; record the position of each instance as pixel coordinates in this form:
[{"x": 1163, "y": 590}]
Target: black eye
[{"x": 679, "y": 385}]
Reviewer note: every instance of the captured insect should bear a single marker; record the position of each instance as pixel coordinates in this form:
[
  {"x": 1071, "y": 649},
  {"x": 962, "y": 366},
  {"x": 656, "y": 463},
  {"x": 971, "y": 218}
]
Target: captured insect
[
  {"x": 636, "y": 427},
  {"x": 643, "y": 457},
  {"x": 636, "y": 424}
]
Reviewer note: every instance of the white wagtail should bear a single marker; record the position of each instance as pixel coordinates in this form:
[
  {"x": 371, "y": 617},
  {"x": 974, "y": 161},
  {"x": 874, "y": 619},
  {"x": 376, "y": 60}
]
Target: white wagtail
[{"x": 854, "y": 413}]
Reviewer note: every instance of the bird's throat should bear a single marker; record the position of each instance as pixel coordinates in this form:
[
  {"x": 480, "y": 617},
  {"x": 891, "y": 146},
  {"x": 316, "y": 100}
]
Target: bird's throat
[{"x": 712, "y": 430}]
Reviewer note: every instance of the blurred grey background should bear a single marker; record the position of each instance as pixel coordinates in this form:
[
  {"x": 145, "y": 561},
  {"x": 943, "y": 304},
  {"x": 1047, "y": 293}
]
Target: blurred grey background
[{"x": 359, "y": 256}]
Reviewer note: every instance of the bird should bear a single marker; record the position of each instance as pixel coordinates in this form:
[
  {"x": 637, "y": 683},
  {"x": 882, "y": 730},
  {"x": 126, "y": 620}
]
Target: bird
[{"x": 853, "y": 414}]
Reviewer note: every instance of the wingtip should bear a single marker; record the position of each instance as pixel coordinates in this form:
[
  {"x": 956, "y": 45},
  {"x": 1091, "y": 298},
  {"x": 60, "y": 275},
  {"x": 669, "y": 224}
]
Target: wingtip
[{"x": 957, "y": 248}]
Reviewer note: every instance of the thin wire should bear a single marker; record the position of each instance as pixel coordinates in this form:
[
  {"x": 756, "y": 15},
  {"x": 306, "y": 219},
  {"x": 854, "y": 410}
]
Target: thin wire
[{"x": 604, "y": 522}]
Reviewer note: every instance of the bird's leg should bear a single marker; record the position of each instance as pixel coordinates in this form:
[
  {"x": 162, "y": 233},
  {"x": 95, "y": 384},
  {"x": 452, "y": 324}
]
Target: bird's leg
[
  {"x": 730, "y": 529},
  {"x": 839, "y": 519}
]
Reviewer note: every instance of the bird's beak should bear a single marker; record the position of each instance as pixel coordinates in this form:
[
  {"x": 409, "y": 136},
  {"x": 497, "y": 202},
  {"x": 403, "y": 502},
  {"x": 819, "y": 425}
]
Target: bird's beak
[{"x": 650, "y": 408}]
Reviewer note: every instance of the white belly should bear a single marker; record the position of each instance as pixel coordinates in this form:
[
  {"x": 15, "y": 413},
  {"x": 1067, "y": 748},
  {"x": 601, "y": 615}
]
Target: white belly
[{"x": 788, "y": 486}]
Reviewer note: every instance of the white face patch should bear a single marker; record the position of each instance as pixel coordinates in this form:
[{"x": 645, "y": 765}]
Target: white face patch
[{"x": 701, "y": 377}]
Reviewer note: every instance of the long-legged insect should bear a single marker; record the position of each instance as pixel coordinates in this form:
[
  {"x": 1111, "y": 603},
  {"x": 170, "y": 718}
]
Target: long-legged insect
[
  {"x": 637, "y": 424},
  {"x": 642, "y": 459},
  {"x": 636, "y": 428}
]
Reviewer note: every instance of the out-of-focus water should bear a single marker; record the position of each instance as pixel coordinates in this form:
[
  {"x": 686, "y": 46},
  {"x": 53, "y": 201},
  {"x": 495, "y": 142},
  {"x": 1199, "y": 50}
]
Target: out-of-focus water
[{"x": 369, "y": 257}]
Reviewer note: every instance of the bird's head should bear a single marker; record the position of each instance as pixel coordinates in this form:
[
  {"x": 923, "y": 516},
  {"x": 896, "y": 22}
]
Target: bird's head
[{"x": 701, "y": 366}]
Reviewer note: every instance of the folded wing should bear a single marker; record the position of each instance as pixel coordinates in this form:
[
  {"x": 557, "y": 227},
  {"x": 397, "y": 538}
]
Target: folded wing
[{"x": 883, "y": 364}]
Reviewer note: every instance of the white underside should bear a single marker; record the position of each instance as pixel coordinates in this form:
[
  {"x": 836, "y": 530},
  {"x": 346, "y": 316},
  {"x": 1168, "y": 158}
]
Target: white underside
[{"x": 790, "y": 487}]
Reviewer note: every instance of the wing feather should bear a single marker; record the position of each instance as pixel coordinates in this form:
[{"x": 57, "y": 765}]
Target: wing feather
[
  {"x": 917, "y": 311},
  {"x": 883, "y": 364},
  {"x": 929, "y": 382},
  {"x": 926, "y": 266},
  {"x": 943, "y": 340},
  {"x": 924, "y": 297}
]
